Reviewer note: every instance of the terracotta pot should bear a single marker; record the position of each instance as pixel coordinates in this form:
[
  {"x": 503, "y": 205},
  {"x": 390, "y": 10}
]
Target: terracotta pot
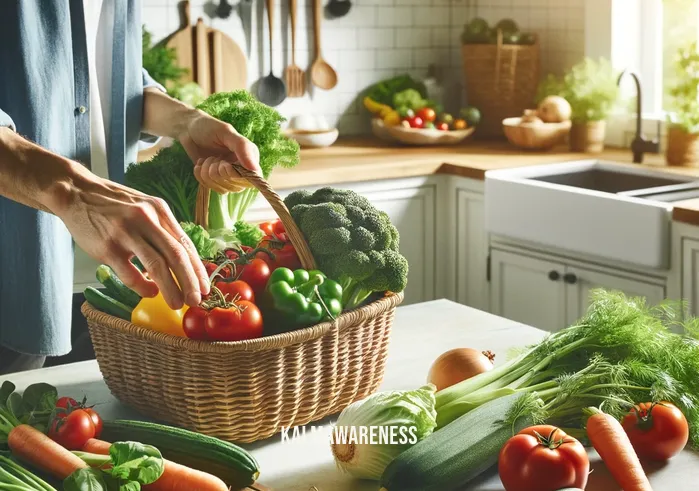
[
  {"x": 682, "y": 148},
  {"x": 587, "y": 137}
]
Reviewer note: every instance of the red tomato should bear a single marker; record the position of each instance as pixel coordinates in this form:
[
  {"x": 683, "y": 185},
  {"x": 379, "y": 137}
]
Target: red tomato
[
  {"x": 194, "y": 323},
  {"x": 243, "y": 321},
  {"x": 427, "y": 114},
  {"x": 211, "y": 267},
  {"x": 236, "y": 288},
  {"x": 443, "y": 126},
  {"x": 268, "y": 227},
  {"x": 73, "y": 431},
  {"x": 657, "y": 431},
  {"x": 543, "y": 458},
  {"x": 279, "y": 227},
  {"x": 284, "y": 253},
  {"x": 96, "y": 421},
  {"x": 255, "y": 273},
  {"x": 416, "y": 122},
  {"x": 67, "y": 403}
]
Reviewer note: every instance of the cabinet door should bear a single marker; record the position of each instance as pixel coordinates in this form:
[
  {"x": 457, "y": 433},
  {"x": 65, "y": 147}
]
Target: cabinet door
[
  {"x": 690, "y": 274},
  {"x": 580, "y": 281},
  {"x": 528, "y": 290},
  {"x": 471, "y": 251}
]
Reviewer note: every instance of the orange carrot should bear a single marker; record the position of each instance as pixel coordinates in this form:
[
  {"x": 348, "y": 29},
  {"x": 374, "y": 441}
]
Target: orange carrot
[
  {"x": 612, "y": 444},
  {"x": 175, "y": 477},
  {"x": 33, "y": 447}
]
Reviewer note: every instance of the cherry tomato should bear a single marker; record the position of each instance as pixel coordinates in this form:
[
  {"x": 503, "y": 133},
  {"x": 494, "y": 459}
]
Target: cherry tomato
[
  {"x": 543, "y": 458},
  {"x": 255, "y": 273},
  {"x": 96, "y": 421},
  {"x": 284, "y": 253},
  {"x": 427, "y": 114},
  {"x": 194, "y": 323},
  {"x": 279, "y": 227},
  {"x": 657, "y": 431},
  {"x": 416, "y": 122},
  {"x": 267, "y": 227},
  {"x": 443, "y": 126},
  {"x": 211, "y": 267},
  {"x": 236, "y": 288},
  {"x": 73, "y": 431},
  {"x": 243, "y": 321}
]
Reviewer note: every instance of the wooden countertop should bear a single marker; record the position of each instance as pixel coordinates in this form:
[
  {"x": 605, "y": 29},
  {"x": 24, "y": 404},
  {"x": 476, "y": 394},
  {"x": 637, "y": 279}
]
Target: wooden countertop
[
  {"x": 304, "y": 462},
  {"x": 368, "y": 159}
]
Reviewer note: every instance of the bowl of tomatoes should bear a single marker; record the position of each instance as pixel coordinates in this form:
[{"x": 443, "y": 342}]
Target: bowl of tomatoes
[{"x": 426, "y": 127}]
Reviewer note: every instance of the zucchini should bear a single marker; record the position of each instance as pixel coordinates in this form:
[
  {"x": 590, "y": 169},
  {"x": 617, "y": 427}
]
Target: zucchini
[
  {"x": 454, "y": 455},
  {"x": 107, "y": 304},
  {"x": 115, "y": 288},
  {"x": 230, "y": 463}
]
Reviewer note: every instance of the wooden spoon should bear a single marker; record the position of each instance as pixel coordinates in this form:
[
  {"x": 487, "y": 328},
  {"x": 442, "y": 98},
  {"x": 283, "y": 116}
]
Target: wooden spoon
[
  {"x": 322, "y": 74},
  {"x": 271, "y": 90},
  {"x": 294, "y": 76}
]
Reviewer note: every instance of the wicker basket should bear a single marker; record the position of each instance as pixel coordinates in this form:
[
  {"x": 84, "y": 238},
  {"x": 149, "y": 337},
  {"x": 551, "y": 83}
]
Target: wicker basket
[
  {"x": 248, "y": 390},
  {"x": 501, "y": 81}
]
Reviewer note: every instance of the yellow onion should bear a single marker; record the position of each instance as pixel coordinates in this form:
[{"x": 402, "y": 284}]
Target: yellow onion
[{"x": 457, "y": 365}]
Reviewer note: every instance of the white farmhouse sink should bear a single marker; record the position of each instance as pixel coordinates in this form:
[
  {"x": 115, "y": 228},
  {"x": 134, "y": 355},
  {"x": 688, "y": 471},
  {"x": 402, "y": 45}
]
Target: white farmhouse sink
[{"x": 590, "y": 207}]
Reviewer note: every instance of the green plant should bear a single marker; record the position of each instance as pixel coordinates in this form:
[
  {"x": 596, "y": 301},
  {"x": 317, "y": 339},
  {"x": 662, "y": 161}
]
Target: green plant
[
  {"x": 685, "y": 93},
  {"x": 590, "y": 87}
]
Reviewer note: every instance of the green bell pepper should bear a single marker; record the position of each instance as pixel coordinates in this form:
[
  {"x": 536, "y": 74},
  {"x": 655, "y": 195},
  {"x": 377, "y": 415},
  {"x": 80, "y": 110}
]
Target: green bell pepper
[{"x": 304, "y": 297}]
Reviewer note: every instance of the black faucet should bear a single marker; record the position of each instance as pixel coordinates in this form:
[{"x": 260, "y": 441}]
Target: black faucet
[{"x": 640, "y": 145}]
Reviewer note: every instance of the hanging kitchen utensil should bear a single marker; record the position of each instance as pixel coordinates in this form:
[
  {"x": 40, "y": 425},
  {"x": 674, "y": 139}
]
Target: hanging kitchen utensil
[
  {"x": 245, "y": 13},
  {"x": 212, "y": 59},
  {"x": 224, "y": 9},
  {"x": 271, "y": 89},
  {"x": 322, "y": 74},
  {"x": 294, "y": 76},
  {"x": 339, "y": 8}
]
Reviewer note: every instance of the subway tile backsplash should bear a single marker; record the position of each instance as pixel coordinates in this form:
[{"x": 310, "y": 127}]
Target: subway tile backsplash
[{"x": 379, "y": 39}]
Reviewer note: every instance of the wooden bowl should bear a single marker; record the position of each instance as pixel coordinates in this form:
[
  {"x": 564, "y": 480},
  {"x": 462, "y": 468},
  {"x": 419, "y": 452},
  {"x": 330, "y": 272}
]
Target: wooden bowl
[
  {"x": 313, "y": 138},
  {"x": 535, "y": 136},
  {"x": 420, "y": 136},
  {"x": 380, "y": 130}
]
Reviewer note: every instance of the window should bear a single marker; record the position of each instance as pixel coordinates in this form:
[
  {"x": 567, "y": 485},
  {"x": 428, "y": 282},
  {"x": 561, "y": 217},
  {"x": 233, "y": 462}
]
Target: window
[{"x": 680, "y": 26}]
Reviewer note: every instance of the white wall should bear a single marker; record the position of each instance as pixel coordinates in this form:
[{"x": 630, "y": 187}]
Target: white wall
[{"x": 381, "y": 38}]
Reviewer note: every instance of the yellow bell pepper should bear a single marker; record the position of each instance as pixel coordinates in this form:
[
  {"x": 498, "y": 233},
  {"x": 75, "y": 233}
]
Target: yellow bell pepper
[
  {"x": 392, "y": 119},
  {"x": 154, "y": 313}
]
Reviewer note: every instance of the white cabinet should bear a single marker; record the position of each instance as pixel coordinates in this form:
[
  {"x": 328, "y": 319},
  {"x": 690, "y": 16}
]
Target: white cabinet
[
  {"x": 690, "y": 274},
  {"x": 412, "y": 206},
  {"x": 527, "y": 290},
  {"x": 550, "y": 292},
  {"x": 469, "y": 262}
]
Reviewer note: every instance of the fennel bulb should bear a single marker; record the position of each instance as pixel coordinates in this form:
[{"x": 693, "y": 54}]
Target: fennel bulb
[{"x": 370, "y": 433}]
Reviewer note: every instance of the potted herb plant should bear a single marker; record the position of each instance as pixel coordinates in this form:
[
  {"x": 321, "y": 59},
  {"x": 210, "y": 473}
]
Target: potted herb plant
[
  {"x": 591, "y": 89},
  {"x": 683, "y": 130}
]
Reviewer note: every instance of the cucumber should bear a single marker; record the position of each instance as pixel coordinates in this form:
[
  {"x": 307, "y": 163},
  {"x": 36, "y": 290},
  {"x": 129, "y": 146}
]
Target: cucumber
[
  {"x": 115, "y": 288},
  {"x": 454, "y": 455},
  {"x": 230, "y": 463},
  {"x": 107, "y": 304}
]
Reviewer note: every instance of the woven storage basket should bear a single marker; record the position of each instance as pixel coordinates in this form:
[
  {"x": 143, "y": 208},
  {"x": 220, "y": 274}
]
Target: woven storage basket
[
  {"x": 501, "y": 81},
  {"x": 248, "y": 390}
]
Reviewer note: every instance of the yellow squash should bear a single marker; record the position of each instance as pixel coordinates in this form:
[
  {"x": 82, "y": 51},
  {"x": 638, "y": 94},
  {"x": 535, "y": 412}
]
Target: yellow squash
[{"x": 154, "y": 313}]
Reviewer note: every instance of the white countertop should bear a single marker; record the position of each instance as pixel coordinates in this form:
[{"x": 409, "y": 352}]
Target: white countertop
[{"x": 421, "y": 333}]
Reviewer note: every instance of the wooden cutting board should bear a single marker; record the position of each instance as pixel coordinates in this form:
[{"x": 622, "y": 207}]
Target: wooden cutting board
[{"x": 213, "y": 59}]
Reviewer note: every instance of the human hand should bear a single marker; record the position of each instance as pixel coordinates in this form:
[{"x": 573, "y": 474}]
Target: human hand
[
  {"x": 113, "y": 223},
  {"x": 214, "y": 146}
]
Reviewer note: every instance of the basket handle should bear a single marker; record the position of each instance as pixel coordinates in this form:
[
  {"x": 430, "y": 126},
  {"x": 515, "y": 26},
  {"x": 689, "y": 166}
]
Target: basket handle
[{"x": 297, "y": 239}]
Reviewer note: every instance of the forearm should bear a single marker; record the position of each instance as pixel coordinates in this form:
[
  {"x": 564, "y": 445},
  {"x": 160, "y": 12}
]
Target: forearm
[
  {"x": 165, "y": 116},
  {"x": 33, "y": 176}
]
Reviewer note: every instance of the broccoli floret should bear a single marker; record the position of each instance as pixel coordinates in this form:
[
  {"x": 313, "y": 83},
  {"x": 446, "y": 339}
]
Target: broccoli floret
[
  {"x": 331, "y": 241},
  {"x": 352, "y": 242},
  {"x": 363, "y": 239},
  {"x": 325, "y": 215}
]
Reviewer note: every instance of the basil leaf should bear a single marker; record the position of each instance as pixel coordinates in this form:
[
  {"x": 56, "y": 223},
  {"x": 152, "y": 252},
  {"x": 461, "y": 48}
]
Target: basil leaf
[
  {"x": 85, "y": 480},
  {"x": 134, "y": 461},
  {"x": 129, "y": 486},
  {"x": 16, "y": 406},
  {"x": 40, "y": 397},
  {"x": 6, "y": 389}
]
